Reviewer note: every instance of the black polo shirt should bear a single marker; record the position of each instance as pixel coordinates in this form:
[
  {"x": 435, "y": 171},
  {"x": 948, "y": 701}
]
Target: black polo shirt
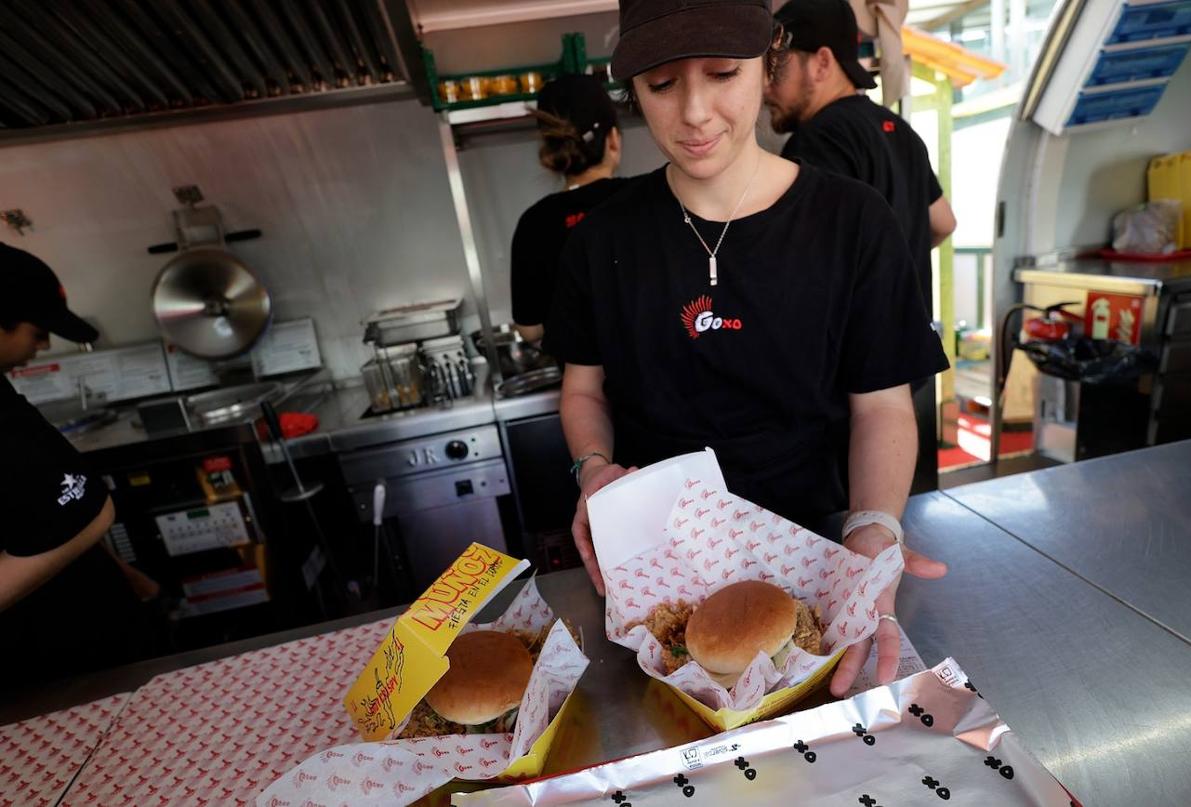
[
  {"x": 816, "y": 299},
  {"x": 80, "y": 618},
  {"x": 538, "y": 240},
  {"x": 863, "y": 140}
]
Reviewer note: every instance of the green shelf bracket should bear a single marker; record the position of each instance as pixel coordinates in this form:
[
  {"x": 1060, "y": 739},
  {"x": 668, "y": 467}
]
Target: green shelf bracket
[{"x": 572, "y": 61}]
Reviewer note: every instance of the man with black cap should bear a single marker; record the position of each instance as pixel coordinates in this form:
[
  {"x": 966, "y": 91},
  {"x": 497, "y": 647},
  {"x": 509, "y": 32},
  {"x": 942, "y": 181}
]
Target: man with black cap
[
  {"x": 581, "y": 143},
  {"x": 813, "y": 96},
  {"x": 65, "y": 604}
]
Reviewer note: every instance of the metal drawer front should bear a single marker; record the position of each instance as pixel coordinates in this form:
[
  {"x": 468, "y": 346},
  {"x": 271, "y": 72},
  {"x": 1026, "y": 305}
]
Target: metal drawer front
[
  {"x": 420, "y": 456},
  {"x": 433, "y": 489},
  {"x": 1180, "y": 320}
]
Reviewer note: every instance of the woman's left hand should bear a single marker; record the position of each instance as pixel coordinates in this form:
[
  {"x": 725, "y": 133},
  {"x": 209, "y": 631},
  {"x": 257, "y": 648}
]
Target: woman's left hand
[{"x": 871, "y": 541}]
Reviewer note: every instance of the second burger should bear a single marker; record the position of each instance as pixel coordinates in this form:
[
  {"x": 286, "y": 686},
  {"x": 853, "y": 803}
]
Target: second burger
[{"x": 727, "y": 630}]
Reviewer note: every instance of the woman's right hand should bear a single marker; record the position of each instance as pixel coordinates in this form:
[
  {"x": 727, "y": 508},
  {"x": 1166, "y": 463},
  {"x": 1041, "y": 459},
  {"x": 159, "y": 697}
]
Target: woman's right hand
[{"x": 594, "y": 475}]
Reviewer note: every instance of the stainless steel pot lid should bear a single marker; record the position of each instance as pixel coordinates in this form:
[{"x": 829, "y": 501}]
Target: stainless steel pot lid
[{"x": 210, "y": 304}]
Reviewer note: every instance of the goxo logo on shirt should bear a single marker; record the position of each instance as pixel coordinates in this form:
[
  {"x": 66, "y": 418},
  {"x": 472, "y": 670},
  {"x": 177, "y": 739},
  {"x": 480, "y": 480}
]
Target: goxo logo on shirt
[
  {"x": 73, "y": 488},
  {"x": 698, "y": 318}
]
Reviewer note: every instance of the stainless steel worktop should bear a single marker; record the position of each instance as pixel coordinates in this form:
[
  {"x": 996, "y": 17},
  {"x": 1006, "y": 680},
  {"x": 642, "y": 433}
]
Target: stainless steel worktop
[
  {"x": 1122, "y": 522},
  {"x": 1096, "y": 690},
  {"x": 342, "y": 426},
  {"x": 1122, "y": 276}
]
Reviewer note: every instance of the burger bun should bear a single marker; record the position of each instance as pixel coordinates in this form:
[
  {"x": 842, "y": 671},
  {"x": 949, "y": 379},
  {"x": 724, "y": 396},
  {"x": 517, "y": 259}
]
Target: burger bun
[{"x": 488, "y": 675}]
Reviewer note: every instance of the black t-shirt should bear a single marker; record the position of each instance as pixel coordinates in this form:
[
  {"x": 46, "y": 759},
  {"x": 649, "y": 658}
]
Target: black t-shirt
[
  {"x": 80, "y": 618},
  {"x": 863, "y": 140},
  {"x": 816, "y": 299},
  {"x": 538, "y": 240}
]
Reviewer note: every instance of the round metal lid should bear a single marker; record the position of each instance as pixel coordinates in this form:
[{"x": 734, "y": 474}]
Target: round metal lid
[{"x": 210, "y": 304}]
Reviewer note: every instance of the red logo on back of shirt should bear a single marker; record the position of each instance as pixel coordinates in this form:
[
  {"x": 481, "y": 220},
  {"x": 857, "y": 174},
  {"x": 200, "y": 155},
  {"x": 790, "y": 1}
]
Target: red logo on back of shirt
[
  {"x": 698, "y": 318},
  {"x": 574, "y": 219},
  {"x": 888, "y": 126}
]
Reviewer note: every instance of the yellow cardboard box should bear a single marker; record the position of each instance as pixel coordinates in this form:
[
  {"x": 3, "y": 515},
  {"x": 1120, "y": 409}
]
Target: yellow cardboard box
[
  {"x": 1169, "y": 177},
  {"x": 772, "y": 704},
  {"x": 412, "y": 656}
]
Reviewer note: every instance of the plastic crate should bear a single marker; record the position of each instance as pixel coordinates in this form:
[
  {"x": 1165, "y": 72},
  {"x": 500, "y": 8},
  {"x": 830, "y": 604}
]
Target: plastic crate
[
  {"x": 1131, "y": 102},
  {"x": 1142, "y": 22},
  {"x": 1122, "y": 66}
]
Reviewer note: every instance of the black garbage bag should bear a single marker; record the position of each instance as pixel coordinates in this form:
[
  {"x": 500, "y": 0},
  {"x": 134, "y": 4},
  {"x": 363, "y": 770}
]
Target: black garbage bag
[{"x": 1091, "y": 361}]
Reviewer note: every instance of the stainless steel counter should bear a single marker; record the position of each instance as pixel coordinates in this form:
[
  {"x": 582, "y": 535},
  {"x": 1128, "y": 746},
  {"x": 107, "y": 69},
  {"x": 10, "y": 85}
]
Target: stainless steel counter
[
  {"x": 341, "y": 426},
  {"x": 1122, "y": 276},
  {"x": 1123, "y": 523},
  {"x": 1097, "y": 691},
  {"x": 525, "y": 406}
]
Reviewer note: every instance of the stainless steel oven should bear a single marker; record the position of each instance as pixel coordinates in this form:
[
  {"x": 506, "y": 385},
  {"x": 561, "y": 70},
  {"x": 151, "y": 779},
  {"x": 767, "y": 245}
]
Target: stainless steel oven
[{"x": 443, "y": 491}]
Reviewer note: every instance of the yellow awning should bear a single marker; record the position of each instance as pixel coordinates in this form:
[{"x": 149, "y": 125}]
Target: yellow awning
[{"x": 960, "y": 64}]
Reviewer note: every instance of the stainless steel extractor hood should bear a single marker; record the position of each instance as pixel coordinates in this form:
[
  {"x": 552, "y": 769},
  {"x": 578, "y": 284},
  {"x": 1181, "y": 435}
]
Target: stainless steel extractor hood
[{"x": 67, "y": 66}]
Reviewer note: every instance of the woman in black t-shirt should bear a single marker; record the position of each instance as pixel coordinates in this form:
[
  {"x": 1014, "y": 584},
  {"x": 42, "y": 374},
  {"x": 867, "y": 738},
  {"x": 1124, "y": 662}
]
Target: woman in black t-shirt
[
  {"x": 581, "y": 143},
  {"x": 737, "y": 300}
]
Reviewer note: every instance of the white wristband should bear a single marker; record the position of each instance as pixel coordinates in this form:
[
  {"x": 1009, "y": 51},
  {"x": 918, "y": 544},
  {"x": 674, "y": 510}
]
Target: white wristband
[{"x": 862, "y": 518}]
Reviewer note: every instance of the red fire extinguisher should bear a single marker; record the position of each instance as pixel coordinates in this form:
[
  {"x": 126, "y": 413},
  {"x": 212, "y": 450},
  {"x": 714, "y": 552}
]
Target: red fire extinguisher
[{"x": 1054, "y": 324}]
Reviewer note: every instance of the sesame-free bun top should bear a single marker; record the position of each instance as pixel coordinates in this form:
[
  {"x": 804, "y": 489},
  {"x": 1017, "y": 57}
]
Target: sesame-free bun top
[
  {"x": 727, "y": 631},
  {"x": 488, "y": 675}
]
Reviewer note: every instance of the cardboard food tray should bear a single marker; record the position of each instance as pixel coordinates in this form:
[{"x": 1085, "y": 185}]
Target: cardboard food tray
[
  {"x": 409, "y": 661},
  {"x": 672, "y": 531}
]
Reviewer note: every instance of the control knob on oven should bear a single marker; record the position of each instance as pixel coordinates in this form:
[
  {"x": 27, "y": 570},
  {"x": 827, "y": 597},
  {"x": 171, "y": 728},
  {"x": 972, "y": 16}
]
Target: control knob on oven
[{"x": 457, "y": 450}]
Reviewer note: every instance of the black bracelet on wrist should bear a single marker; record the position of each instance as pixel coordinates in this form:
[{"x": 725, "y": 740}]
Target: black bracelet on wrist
[{"x": 577, "y": 466}]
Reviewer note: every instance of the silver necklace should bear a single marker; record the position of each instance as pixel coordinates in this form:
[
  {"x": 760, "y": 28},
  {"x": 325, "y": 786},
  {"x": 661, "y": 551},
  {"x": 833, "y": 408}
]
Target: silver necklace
[{"x": 712, "y": 269}]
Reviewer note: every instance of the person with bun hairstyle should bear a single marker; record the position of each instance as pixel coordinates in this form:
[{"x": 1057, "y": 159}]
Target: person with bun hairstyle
[
  {"x": 581, "y": 143},
  {"x": 737, "y": 300}
]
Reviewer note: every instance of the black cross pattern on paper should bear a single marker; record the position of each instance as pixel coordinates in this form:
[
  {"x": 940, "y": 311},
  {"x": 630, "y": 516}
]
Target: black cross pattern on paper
[
  {"x": 934, "y": 784},
  {"x": 868, "y": 801},
  {"x": 968, "y": 685},
  {"x": 928, "y": 720},
  {"x": 743, "y": 765},
  {"x": 805, "y": 750},
  {"x": 995, "y": 764},
  {"x": 688, "y": 789},
  {"x": 621, "y": 799},
  {"x": 861, "y": 732}
]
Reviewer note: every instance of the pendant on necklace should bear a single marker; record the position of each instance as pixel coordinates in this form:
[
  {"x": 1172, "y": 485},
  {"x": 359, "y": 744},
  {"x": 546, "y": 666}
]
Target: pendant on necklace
[{"x": 711, "y": 270}]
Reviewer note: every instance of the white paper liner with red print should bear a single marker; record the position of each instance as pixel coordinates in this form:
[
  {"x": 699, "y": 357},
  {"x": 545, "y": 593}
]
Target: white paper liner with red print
[
  {"x": 40, "y": 756},
  {"x": 397, "y": 772},
  {"x": 712, "y": 539}
]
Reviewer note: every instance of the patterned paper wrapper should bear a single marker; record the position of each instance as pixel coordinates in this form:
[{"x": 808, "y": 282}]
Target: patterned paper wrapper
[
  {"x": 711, "y": 539},
  {"x": 396, "y": 772},
  {"x": 39, "y": 757},
  {"x": 927, "y": 739}
]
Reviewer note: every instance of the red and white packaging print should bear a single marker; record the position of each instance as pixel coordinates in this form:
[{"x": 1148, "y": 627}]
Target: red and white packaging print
[
  {"x": 40, "y": 756},
  {"x": 218, "y": 733},
  {"x": 397, "y": 772},
  {"x": 712, "y": 539}
]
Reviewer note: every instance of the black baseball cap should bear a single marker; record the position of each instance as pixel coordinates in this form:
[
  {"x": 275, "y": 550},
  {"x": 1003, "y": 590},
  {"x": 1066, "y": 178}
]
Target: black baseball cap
[
  {"x": 653, "y": 32},
  {"x": 580, "y": 99},
  {"x": 814, "y": 24},
  {"x": 33, "y": 293}
]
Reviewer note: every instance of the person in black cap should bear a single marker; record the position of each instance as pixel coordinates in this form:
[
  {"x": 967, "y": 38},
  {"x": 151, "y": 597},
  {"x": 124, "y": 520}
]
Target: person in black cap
[
  {"x": 65, "y": 603},
  {"x": 814, "y": 96},
  {"x": 581, "y": 143},
  {"x": 737, "y": 300}
]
